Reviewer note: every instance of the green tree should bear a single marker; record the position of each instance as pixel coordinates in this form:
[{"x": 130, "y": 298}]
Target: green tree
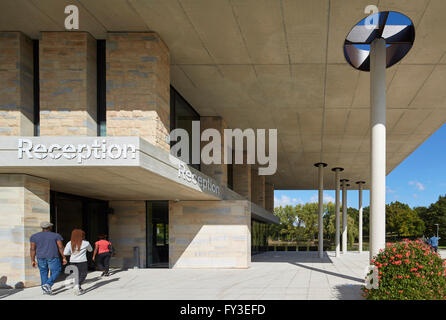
[
  {"x": 435, "y": 213},
  {"x": 402, "y": 220}
]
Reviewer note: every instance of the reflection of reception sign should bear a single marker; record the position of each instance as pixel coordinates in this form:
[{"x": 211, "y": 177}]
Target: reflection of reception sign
[
  {"x": 78, "y": 152},
  {"x": 204, "y": 183}
]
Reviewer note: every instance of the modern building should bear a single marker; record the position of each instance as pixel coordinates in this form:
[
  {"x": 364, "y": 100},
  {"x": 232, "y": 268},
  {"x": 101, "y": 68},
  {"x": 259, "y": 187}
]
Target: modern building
[{"x": 84, "y": 117}]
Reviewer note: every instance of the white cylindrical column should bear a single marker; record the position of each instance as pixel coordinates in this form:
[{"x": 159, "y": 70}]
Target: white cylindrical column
[
  {"x": 377, "y": 146},
  {"x": 320, "y": 167},
  {"x": 344, "y": 215},
  {"x": 337, "y": 208},
  {"x": 360, "y": 183}
]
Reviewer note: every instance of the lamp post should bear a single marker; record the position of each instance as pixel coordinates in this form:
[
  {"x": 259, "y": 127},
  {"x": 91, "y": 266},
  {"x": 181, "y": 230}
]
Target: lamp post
[
  {"x": 344, "y": 214},
  {"x": 321, "y": 167},
  {"x": 360, "y": 183},
  {"x": 337, "y": 172},
  {"x": 437, "y": 228},
  {"x": 374, "y": 47}
]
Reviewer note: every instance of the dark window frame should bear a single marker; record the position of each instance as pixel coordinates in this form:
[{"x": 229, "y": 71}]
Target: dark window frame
[
  {"x": 36, "y": 88},
  {"x": 101, "y": 113},
  {"x": 173, "y": 95}
]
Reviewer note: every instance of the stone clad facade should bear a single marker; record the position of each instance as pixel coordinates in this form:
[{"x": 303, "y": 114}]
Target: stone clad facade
[
  {"x": 257, "y": 188},
  {"x": 16, "y": 84},
  {"x": 209, "y": 234},
  {"x": 205, "y": 229},
  {"x": 24, "y": 202},
  {"x": 138, "y": 79},
  {"x": 217, "y": 171},
  {"x": 242, "y": 178},
  {"x": 68, "y": 97},
  {"x": 269, "y": 197},
  {"x": 127, "y": 227}
]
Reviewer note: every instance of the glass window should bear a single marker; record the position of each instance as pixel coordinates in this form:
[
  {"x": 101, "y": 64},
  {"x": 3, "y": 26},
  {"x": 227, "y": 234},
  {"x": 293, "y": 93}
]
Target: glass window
[
  {"x": 181, "y": 116},
  {"x": 101, "y": 93},
  {"x": 36, "y": 88}
]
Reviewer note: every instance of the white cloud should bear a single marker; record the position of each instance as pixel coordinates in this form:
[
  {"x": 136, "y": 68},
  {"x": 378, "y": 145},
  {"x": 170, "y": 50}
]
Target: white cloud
[
  {"x": 286, "y": 201},
  {"x": 327, "y": 198},
  {"x": 417, "y": 185},
  {"x": 390, "y": 190}
]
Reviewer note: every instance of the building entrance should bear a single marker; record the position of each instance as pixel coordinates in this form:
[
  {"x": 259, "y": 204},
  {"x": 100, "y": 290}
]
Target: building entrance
[
  {"x": 157, "y": 234},
  {"x": 70, "y": 212}
]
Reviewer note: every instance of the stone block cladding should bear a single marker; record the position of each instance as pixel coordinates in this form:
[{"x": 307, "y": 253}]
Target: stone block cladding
[
  {"x": 16, "y": 85},
  {"x": 210, "y": 234},
  {"x": 68, "y": 95},
  {"x": 24, "y": 202},
  {"x": 138, "y": 92}
]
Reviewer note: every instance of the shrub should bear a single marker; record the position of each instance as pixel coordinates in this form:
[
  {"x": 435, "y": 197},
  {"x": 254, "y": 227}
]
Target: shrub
[{"x": 408, "y": 270}]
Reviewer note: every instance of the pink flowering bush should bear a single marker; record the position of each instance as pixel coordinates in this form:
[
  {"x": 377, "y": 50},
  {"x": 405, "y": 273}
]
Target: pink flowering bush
[{"x": 408, "y": 270}]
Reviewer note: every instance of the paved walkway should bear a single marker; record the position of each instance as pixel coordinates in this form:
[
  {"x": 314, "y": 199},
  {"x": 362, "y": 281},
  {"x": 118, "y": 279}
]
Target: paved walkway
[{"x": 273, "y": 275}]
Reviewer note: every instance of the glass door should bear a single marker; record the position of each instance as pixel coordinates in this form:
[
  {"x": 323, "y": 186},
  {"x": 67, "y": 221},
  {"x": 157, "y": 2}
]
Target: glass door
[{"x": 158, "y": 234}]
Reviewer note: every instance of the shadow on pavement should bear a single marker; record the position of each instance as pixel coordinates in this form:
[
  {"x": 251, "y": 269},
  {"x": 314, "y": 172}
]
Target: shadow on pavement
[
  {"x": 348, "y": 292},
  {"x": 291, "y": 257},
  {"x": 100, "y": 284},
  {"x": 8, "y": 292},
  {"x": 335, "y": 274},
  {"x": 93, "y": 287}
]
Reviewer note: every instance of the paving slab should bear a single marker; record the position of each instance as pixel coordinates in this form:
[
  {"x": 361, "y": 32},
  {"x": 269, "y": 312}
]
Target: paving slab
[{"x": 272, "y": 275}]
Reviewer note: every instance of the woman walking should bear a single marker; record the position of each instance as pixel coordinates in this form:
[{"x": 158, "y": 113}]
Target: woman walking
[
  {"x": 102, "y": 248},
  {"x": 77, "y": 249}
]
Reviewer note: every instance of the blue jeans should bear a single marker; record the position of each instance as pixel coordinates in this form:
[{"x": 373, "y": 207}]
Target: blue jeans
[{"x": 53, "y": 265}]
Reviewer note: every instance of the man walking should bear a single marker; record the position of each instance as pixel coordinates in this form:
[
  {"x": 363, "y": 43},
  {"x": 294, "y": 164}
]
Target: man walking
[
  {"x": 433, "y": 241},
  {"x": 47, "y": 246}
]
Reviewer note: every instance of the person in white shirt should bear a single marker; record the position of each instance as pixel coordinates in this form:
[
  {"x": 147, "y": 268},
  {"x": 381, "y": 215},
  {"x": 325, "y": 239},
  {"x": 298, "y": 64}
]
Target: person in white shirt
[{"x": 77, "y": 249}]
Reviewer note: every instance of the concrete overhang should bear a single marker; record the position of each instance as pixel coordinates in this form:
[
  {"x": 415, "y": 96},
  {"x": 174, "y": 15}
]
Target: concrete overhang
[
  {"x": 72, "y": 165},
  {"x": 260, "y": 214},
  {"x": 280, "y": 64},
  {"x": 147, "y": 174}
]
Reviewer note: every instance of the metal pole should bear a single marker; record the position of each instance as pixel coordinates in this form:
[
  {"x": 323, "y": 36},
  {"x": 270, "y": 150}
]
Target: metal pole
[
  {"x": 377, "y": 146},
  {"x": 337, "y": 208},
  {"x": 344, "y": 215},
  {"x": 360, "y": 183},
  {"x": 320, "y": 167}
]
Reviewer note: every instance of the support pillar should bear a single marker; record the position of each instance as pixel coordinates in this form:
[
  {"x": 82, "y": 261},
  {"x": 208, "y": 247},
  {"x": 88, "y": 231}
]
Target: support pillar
[
  {"x": 269, "y": 197},
  {"x": 360, "y": 183},
  {"x": 16, "y": 85},
  {"x": 257, "y": 187},
  {"x": 68, "y": 96},
  {"x": 242, "y": 178},
  {"x": 138, "y": 87},
  {"x": 344, "y": 214},
  {"x": 337, "y": 206},
  {"x": 218, "y": 171},
  {"x": 321, "y": 167},
  {"x": 377, "y": 146},
  {"x": 25, "y": 203}
]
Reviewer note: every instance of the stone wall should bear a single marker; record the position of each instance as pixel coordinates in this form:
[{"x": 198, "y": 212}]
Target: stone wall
[
  {"x": 242, "y": 178},
  {"x": 24, "y": 202},
  {"x": 16, "y": 85},
  {"x": 127, "y": 228},
  {"x": 257, "y": 188},
  {"x": 138, "y": 87},
  {"x": 217, "y": 171},
  {"x": 269, "y": 197},
  {"x": 68, "y": 96},
  {"x": 210, "y": 234}
]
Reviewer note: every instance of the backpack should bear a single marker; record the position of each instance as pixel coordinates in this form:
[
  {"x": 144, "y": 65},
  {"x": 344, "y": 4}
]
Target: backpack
[{"x": 111, "y": 249}]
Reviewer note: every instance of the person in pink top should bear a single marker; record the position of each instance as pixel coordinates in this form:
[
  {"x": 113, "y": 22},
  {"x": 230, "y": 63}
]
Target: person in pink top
[{"x": 102, "y": 248}]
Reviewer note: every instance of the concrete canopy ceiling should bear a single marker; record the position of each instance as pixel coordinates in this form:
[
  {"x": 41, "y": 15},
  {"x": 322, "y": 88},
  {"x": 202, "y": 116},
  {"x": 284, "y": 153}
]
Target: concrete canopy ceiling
[{"x": 279, "y": 64}]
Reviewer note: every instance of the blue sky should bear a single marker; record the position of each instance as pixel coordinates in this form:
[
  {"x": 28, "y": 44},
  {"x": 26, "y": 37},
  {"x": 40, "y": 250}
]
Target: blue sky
[{"x": 417, "y": 181}]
